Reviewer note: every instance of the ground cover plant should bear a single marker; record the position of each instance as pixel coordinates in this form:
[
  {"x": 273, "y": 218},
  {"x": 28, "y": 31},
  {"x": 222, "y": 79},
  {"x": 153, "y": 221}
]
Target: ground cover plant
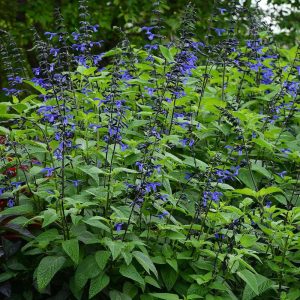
[{"x": 164, "y": 172}]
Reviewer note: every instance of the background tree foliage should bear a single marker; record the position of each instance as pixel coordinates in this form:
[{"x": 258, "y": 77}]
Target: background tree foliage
[{"x": 17, "y": 16}]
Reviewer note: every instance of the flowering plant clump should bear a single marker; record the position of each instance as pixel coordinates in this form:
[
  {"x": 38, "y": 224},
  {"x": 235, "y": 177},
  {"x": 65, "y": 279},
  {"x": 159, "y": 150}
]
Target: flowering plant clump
[{"x": 165, "y": 172}]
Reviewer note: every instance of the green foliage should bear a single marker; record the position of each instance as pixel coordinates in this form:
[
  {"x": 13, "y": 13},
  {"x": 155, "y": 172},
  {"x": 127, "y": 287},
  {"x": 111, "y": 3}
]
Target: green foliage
[{"x": 170, "y": 174}]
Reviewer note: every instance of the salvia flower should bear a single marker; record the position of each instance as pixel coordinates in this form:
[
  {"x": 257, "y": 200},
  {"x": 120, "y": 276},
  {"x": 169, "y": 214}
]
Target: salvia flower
[
  {"x": 10, "y": 203},
  {"x": 48, "y": 170},
  {"x": 118, "y": 227},
  {"x": 219, "y": 31}
]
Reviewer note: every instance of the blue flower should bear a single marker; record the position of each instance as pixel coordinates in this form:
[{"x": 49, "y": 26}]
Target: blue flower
[
  {"x": 75, "y": 35},
  {"x": 51, "y": 35},
  {"x": 54, "y": 51},
  {"x": 219, "y": 31},
  {"x": 118, "y": 227},
  {"x": 268, "y": 204},
  {"x": 152, "y": 186},
  {"x": 10, "y": 203},
  {"x": 163, "y": 214},
  {"x": 17, "y": 184},
  {"x": 94, "y": 27},
  {"x": 222, "y": 10},
  {"x": 150, "y": 91},
  {"x": 49, "y": 171},
  {"x": 148, "y": 32},
  {"x": 282, "y": 174},
  {"x": 139, "y": 165},
  {"x": 75, "y": 182}
]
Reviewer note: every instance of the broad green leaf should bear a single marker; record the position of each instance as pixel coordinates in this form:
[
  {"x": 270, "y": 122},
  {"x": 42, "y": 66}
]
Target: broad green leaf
[
  {"x": 269, "y": 190},
  {"x": 50, "y": 216},
  {"x": 145, "y": 261},
  {"x": 87, "y": 269},
  {"x": 116, "y": 295},
  {"x": 95, "y": 222},
  {"x": 131, "y": 272},
  {"x": 250, "y": 279},
  {"x": 71, "y": 247},
  {"x": 152, "y": 281},
  {"x": 165, "y": 296},
  {"x": 115, "y": 248},
  {"x": 246, "y": 191},
  {"x": 46, "y": 270},
  {"x": 102, "y": 258},
  {"x": 91, "y": 171},
  {"x": 263, "y": 285},
  {"x": 4, "y": 130},
  {"x": 97, "y": 284},
  {"x": 166, "y": 53},
  {"x": 169, "y": 277}
]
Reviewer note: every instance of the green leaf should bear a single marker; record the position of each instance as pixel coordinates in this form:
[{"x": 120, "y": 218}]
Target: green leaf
[
  {"x": 4, "y": 130},
  {"x": 145, "y": 261},
  {"x": 250, "y": 279},
  {"x": 166, "y": 53},
  {"x": 262, "y": 170},
  {"x": 245, "y": 191},
  {"x": 88, "y": 268},
  {"x": 116, "y": 295},
  {"x": 263, "y": 285},
  {"x": 95, "y": 222},
  {"x": 173, "y": 263},
  {"x": 169, "y": 277},
  {"x": 152, "y": 281},
  {"x": 98, "y": 283},
  {"x": 92, "y": 171},
  {"x": 18, "y": 210},
  {"x": 269, "y": 190},
  {"x": 131, "y": 272},
  {"x": 71, "y": 247},
  {"x": 46, "y": 270},
  {"x": 248, "y": 240},
  {"x": 102, "y": 258},
  {"x": 165, "y": 296},
  {"x": 115, "y": 248},
  {"x": 50, "y": 216}
]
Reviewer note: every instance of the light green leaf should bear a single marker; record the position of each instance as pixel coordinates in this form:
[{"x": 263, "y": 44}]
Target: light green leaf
[
  {"x": 95, "y": 222},
  {"x": 131, "y": 272},
  {"x": 165, "y": 296},
  {"x": 145, "y": 261},
  {"x": 50, "y": 216},
  {"x": 269, "y": 190},
  {"x": 166, "y": 53},
  {"x": 102, "y": 258},
  {"x": 169, "y": 277},
  {"x": 250, "y": 279},
  {"x": 46, "y": 270},
  {"x": 115, "y": 248},
  {"x": 245, "y": 191},
  {"x": 98, "y": 283},
  {"x": 71, "y": 247}
]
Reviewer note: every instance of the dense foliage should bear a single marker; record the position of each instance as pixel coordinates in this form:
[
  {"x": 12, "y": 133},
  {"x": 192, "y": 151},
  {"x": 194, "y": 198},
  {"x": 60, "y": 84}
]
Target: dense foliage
[
  {"x": 18, "y": 16},
  {"x": 170, "y": 173}
]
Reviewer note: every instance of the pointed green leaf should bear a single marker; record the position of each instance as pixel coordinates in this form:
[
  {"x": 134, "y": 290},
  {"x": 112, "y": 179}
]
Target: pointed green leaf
[
  {"x": 46, "y": 270},
  {"x": 250, "y": 279},
  {"x": 145, "y": 261},
  {"x": 98, "y": 283},
  {"x": 131, "y": 272},
  {"x": 102, "y": 258},
  {"x": 166, "y": 53},
  {"x": 71, "y": 247}
]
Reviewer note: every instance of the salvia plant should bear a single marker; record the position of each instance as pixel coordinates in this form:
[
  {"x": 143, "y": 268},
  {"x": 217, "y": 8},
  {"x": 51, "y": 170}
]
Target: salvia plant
[{"x": 164, "y": 172}]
